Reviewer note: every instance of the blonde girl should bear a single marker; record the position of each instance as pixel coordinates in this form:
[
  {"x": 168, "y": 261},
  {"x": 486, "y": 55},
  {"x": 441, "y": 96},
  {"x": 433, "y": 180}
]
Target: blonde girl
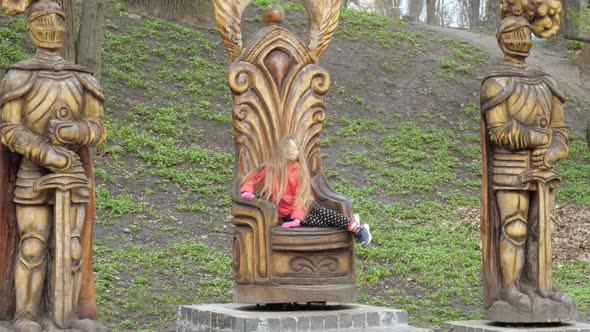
[{"x": 287, "y": 183}]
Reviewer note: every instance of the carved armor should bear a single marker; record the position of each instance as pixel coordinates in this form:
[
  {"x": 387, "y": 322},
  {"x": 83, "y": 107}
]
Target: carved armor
[
  {"x": 51, "y": 110},
  {"x": 524, "y": 119},
  {"x": 523, "y": 136}
]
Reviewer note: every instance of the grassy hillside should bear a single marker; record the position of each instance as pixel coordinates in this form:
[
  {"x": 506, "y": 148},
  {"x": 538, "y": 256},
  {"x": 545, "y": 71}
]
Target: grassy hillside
[{"x": 401, "y": 139}]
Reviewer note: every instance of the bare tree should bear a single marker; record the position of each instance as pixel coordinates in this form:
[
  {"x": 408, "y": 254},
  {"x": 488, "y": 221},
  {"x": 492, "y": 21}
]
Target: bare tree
[
  {"x": 415, "y": 8},
  {"x": 91, "y": 34},
  {"x": 474, "y": 7},
  {"x": 83, "y": 46},
  {"x": 395, "y": 9},
  {"x": 69, "y": 49},
  {"x": 391, "y": 8},
  {"x": 575, "y": 20},
  {"x": 182, "y": 10},
  {"x": 441, "y": 12},
  {"x": 431, "y": 12},
  {"x": 491, "y": 15}
]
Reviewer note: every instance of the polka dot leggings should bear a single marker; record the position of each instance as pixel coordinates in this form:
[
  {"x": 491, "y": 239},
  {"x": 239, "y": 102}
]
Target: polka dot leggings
[{"x": 319, "y": 216}]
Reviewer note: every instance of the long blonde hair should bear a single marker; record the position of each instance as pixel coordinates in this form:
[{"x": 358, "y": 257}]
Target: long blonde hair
[{"x": 277, "y": 172}]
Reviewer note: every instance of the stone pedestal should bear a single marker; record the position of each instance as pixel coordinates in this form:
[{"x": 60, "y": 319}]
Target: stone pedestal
[
  {"x": 487, "y": 326},
  {"x": 234, "y": 317}
]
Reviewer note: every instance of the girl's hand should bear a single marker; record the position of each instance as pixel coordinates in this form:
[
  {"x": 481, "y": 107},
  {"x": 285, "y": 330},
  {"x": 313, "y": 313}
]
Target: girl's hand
[
  {"x": 291, "y": 224},
  {"x": 248, "y": 195}
]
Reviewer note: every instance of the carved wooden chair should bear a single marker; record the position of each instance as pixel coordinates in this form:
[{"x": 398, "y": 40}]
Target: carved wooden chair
[{"x": 278, "y": 90}]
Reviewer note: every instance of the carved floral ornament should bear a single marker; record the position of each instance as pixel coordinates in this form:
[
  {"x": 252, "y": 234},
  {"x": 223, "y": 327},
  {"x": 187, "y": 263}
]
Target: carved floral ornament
[
  {"x": 542, "y": 14},
  {"x": 14, "y": 7}
]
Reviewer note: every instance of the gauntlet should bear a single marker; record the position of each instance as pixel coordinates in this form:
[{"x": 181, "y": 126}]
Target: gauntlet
[
  {"x": 516, "y": 136},
  {"x": 79, "y": 133}
]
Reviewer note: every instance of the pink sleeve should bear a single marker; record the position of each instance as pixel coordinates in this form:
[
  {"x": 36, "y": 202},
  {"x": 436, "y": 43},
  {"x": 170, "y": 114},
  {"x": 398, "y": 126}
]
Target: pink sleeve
[
  {"x": 298, "y": 212},
  {"x": 254, "y": 178}
]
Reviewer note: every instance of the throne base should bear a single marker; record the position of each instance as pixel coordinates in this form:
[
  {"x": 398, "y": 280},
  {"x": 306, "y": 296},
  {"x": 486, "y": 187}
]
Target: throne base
[
  {"x": 331, "y": 294},
  {"x": 545, "y": 311}
]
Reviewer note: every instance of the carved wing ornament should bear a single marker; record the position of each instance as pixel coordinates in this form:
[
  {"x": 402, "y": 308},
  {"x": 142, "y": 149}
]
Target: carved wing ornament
[
  {"x": 228, "y": 14},
  {"x": 323, "y": 17}
]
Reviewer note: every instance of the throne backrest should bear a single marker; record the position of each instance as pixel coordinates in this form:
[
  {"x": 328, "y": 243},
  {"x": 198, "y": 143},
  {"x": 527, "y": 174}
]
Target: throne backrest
[{"x": 278, "y": 87}]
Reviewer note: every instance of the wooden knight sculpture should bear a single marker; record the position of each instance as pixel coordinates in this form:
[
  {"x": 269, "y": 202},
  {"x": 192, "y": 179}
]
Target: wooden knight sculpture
[
  {"x": 523, "y": 136},
  {"x": 52, "y": 113},
  {"x": 278, "y": 91}
]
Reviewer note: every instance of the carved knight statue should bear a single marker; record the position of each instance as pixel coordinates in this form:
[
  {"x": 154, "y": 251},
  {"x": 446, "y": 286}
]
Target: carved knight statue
[
  {"x": 52, "y": 112},
  {"x": 524, "y": 135}
]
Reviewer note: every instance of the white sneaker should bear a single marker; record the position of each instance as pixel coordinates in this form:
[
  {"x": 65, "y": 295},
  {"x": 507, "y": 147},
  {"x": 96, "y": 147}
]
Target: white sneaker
[{"x": 363, "y": 235}]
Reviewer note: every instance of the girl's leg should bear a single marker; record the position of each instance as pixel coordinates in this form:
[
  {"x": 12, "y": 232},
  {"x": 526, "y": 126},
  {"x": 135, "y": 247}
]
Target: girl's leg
[{"x": 320, "y": 216}]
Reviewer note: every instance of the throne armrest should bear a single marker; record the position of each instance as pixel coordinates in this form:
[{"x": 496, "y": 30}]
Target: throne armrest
[
  {"x": 257, "y": 217},
  {"x": 266, "y": 209},
  {"x": 328, "y": 197}
]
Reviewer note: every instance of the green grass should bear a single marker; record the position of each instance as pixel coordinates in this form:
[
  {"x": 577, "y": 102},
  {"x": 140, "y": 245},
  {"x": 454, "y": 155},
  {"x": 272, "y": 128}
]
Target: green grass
[
  {"x": 358, "y": 25},
  {"x": 575, "y": 172},
  {"x": 193, "y": 273},
  {"x": 575, "y": 45},
  {"x": 447, "y": 63},
  {"x": 12, "y": 41},
  {"x": 116, "y": 205},
  {"x": 461, "y": 61},
  {"x": 574, "y": 279},
  {"x": 463, "y": 50},
  {"x": 287, "y": 5}
]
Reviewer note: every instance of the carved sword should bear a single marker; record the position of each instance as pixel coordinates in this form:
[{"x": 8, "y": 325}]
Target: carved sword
[
  {"x": 546, "y": 180},
  {"x": 61, "y": 279}
]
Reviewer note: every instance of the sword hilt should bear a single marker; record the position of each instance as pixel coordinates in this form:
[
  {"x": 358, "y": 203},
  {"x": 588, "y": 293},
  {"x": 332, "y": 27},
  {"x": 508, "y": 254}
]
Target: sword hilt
[
  {"x": 63, "y": 182},
  {"x": 543, "y": 176}
]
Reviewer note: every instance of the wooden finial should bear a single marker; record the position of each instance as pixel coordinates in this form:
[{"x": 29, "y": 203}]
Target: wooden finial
[{"x": 274, "y": 14}]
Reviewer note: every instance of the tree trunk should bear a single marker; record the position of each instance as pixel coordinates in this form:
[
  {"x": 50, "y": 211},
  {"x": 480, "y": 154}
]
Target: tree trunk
[
  {"x": 492, "y": 13},
  {"x": 395, "y": 10},
  {"x": 69, "y": 49},
  {"x": 431, "y": 12},
  {"x": 474, "y": 13},
  {"x": 389, "y": 8},
  {"x": 91, "y": 35},
  {"x": 569, "y": 26},
  {"x": 344, "y": 3},
  {"x": 440, "y": 12},
  {"x": 182, "y": 10},
  {"x": 415, "y": 9}
]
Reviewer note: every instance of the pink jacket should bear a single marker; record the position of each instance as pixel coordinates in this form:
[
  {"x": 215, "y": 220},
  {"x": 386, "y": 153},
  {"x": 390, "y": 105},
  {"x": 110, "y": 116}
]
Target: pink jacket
[{"x": 286, "y": 206}]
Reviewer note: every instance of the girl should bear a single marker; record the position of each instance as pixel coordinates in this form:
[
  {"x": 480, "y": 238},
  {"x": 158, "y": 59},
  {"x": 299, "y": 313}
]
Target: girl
[{"x": 287, "y": 184}]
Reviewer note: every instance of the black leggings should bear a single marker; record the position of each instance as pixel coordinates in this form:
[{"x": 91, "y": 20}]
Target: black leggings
[{"x": 319, "y": 216}]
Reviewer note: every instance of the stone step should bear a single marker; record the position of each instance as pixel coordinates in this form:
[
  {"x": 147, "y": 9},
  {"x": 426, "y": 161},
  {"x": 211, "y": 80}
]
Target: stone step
[
  {"x": 487, "y": 326},
  {"x": 235, "y": 317},
  {"x": 397, "y": 328}
]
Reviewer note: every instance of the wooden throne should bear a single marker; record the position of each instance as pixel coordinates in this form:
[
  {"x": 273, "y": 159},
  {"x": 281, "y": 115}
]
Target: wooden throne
[{"x": 278, "y": 90}]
